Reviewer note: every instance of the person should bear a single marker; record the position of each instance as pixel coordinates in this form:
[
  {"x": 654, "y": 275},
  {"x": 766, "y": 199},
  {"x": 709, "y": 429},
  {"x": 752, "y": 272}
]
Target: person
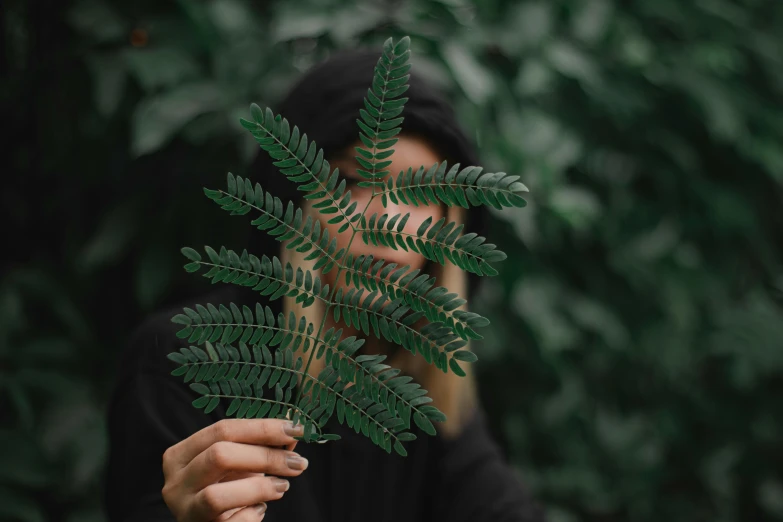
[{"x": 169, "y": 461}]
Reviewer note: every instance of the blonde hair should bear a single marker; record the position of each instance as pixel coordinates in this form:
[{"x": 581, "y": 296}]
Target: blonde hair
[{"x": 455, "y": 396}]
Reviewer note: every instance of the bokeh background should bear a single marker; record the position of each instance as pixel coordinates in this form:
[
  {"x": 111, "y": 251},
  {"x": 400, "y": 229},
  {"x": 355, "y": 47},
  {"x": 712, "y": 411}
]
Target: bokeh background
[{"x": 635, "y": 368}]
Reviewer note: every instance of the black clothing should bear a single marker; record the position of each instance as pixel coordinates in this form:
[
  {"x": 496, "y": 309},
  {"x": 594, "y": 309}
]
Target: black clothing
[{"x": 465, "y": 479}]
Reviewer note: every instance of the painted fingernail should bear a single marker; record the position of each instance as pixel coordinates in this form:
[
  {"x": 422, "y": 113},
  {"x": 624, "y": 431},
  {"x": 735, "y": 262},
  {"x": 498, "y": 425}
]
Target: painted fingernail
[
  {"x": 260, "y": 508},
  {"x": 280, "y": 485},
  {"x": 296, "y": 462},
  {"x": 293, "y": 431}
]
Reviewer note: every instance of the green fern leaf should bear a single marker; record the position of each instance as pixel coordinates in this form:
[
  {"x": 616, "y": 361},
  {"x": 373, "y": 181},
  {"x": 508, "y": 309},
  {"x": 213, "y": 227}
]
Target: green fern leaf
[
  {"x": 266, "y": 276},
  {"x": 254, "y": 361},
  {"x": 418, "y": 291},
  {"x": 235, "y": 378},
  {"x": 394, "y": 320},
  {"x": 467, "y": 187},
  {"x": 373, "y": 379},
  {"x": 283, "y": 223},
  {"x": 440, "y": 241},
  {"x": 379, "y": 119},
  {"x": 301, "y": 161}
]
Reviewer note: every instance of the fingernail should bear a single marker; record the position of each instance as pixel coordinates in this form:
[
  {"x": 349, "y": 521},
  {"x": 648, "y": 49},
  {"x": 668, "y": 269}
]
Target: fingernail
[
  {"x": 296, "y": 462},
  {"x": 293, "y": 431},
  {"x": 280, "y": 485},
  {"x": 260, "y": 508}
]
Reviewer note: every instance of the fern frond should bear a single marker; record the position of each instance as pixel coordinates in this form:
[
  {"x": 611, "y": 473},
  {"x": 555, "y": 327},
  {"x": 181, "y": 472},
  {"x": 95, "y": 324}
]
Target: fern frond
[
  {"x": 207, "y": 324},
  {"x": 240, "y": 376},
  {"x": 464, "y": 187},
  {"x": 378, "y": 381},
  {"x": 283, "y": 224},
  {"x": 267, "y": 276},
  {"x": 231, "y": 324},
  {"x": 380, "y": 120},
  {"x": 381, "y": 383},
  {"x": 390, "y": 301},
  {"x": 304, "y": 164},
  {"x": 390, "y": 318},
  {"x": 335, "y": 387},
  {"x": 418, "y": 292},
  {"x": 359, "y": 412},
  {"x": 263, "y": 331},
  {"x": 224, "y": 372},
  {"x": 439, "y": 241}
]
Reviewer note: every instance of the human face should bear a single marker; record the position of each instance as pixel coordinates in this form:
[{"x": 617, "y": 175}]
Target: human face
[{"x": 409, "y": 152}]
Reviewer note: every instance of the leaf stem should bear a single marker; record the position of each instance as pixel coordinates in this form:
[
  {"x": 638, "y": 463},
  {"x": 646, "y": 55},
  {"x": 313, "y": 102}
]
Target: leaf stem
[
  {"x": 350, "y": 242},
  {"x": 442, "y": 244},
  {"x": 378, "y": 123},
  {"x": 312, "y": 174},
  {"x": 290, "y": 285},
  {"x": 293, "y": 229},
  {"x": 418, "y": 301},
  {"x": 282, "y": 403},
  {"x": 328, "y": 307}
]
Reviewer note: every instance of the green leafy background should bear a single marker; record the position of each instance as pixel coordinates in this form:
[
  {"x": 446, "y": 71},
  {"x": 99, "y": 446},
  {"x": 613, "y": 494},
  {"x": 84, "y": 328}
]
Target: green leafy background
[{"x": 634, "y": 371}]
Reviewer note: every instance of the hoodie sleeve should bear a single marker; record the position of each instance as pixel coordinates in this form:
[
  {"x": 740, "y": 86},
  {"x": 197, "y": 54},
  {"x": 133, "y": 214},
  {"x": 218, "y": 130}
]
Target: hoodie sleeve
[{"x": 150, "y": 411}]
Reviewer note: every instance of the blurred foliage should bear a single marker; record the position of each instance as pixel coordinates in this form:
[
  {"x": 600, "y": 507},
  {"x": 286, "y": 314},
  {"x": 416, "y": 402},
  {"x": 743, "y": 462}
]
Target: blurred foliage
[{"x": 643, "y": 296}]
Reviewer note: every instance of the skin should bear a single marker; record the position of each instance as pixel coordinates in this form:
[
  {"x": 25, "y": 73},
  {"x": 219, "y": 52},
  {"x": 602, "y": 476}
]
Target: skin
[
  {"x": 409, "y": 152},
  {"x": 230, "y": 470}
]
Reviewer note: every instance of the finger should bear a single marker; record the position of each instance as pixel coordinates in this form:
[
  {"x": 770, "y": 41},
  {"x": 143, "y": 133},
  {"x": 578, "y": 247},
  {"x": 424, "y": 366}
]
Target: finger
[
  {"x": 223, "y": 458},
  {"x": 268, "y": 432},
  {"x": 290, "y": 446},
  {"x": 215, "y": 499},
  {"x": 249, "y": 514},
  {"x": 237, "y": 475},
  {"x": 227, "y": 514}
]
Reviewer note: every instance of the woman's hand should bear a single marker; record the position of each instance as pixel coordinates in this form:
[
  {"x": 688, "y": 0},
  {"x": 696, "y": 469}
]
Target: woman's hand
[{"x": 228, "y": 470}]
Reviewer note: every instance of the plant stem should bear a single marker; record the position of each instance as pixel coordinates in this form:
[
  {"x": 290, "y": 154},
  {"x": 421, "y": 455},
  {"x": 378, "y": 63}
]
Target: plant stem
[
  {"x": 350, "y": 242},
  {"x": 328, "y": 307}
]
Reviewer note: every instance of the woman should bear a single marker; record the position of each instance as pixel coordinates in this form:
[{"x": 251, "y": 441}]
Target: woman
[{"x": 169, "y": 461}]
